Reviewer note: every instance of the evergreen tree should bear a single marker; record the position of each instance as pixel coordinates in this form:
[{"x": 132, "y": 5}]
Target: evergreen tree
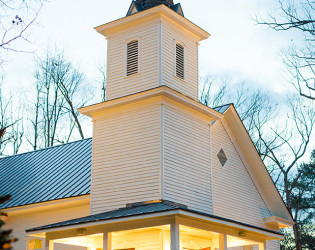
[
  {"x": 6, "y": 239},
  {"x": 303, "y": 207}
]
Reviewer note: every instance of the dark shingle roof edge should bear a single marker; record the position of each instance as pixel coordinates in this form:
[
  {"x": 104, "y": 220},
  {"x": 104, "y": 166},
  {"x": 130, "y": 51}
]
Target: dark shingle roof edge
[{"x": 146, "y": 209}]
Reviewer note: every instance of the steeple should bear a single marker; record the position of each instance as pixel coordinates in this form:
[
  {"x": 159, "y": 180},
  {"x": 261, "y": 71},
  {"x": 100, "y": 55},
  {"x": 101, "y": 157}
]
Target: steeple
[{"x": 140, "y": 5}]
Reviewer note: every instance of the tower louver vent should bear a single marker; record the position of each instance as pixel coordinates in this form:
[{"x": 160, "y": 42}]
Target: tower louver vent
[
  {"x": 133, "y": 58},
  {"x": 180, "y": 61}
]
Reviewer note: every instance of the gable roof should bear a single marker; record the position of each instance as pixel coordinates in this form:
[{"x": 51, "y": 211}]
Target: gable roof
[
  {"x": 148, "y": 208},
  {"x": 256, "y": 167},
  {"x": 49, "y": 174}
]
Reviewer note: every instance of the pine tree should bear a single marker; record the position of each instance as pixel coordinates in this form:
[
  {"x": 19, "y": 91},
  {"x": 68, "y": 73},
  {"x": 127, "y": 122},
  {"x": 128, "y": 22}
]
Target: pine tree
[{"x": 6, "y": 239}]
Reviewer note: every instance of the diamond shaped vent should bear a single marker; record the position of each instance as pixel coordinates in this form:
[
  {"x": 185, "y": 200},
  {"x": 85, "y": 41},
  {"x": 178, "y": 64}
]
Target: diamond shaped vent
[{"x": 222, "y": 157}]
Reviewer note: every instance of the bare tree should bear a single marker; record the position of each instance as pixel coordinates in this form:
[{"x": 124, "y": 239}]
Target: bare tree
[
  {"x": 284, "y": 146},
  {"x": 11, "y": 125},
  {"x": 299, "y": 16},
  {"x": 16, "y": 20},
  {"x": 213, "y": 92},
  {"x": 253, "y": 106},
  {"x": 102, "y": 81},
  {"x": 60, "y": 92}
]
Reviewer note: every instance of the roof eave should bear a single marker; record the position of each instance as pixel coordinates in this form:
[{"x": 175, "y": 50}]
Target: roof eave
[{"x": 172, "y": 212}]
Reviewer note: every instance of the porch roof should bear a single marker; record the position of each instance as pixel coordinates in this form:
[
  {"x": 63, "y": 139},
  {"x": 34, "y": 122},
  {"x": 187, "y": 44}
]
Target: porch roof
[{"x": 154, "y": 207}]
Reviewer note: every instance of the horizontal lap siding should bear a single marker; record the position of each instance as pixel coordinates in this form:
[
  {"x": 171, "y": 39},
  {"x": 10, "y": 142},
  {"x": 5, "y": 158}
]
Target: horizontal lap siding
[
  {"x": 126, "y": 162},
  {"x": 118, "y": 84},
  {"x": 187, "y": 177},
  {"x": 170, "y": 36},
  {"x": 273, "y": 245},
  {"x": 234, "y": 194},
  {"x": 19, "y": 223}
]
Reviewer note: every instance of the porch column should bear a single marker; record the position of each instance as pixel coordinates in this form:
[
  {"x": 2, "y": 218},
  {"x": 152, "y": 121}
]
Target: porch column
[
  {"x": 107, "y": 241},
  {"x": 223, "y": 242},
  {"x": 262, "y": 246},
  {"x": 175, "y": 241},
  {"x": 49, "y": 244}
]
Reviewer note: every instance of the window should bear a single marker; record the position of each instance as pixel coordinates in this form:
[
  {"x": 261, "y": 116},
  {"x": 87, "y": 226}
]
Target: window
[
  {"x": 180, "y": 61},
  {"x": 132, "y": 57},
  {"x": 35, "y": 244}
]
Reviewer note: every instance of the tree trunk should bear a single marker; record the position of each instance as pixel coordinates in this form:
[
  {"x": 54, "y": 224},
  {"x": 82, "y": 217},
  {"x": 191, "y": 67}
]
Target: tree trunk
[{"x": 297, "y": 237}]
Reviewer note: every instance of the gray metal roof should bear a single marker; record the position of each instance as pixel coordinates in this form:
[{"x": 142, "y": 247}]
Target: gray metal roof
[
  {"x": 138, "y": 209},
  {"x": 49, "y": 174},
  {"x": 223, "y": 108}
]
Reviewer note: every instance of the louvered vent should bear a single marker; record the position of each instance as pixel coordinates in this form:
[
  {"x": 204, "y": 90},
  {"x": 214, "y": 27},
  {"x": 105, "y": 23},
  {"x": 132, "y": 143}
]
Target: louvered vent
[
  {"x": 180, "y": 61},
  {"x": 133, "y": 58},
  {"x": 222, "y": 157}
]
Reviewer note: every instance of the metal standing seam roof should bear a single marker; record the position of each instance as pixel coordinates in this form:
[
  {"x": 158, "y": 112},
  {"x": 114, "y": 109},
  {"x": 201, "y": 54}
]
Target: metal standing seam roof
[
  {"x": 53, "y": 173},
  {"x": 141, "y": 209},
  {"x": 223, "y": 108}
]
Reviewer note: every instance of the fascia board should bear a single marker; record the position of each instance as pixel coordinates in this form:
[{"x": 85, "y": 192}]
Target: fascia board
[
  {"x": 158, "y": 11},
  {"x": 159, "y": 91},
  {"x": 257, "y": 169}
]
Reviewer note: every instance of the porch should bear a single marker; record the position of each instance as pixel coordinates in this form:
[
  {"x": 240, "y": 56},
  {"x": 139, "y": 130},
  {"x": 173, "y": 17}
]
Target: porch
[{"x": 146, "y": 228}]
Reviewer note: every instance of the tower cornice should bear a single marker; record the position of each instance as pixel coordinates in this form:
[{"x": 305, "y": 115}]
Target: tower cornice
[
  {"x": 155, "y": 12},
  {"x": 163, "y": 91}
]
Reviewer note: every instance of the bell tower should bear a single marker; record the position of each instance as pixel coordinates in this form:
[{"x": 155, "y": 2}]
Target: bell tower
[
  {"x": 154, "y": 45},
  {"x": 151, "y": 137}
]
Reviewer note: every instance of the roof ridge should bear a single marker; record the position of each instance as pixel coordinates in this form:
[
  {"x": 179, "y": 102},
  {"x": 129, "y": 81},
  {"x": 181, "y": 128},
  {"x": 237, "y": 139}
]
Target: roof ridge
[{"x": 42, "y": 149}]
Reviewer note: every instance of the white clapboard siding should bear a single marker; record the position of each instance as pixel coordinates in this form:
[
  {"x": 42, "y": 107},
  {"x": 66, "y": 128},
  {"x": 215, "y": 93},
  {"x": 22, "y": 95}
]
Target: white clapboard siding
[
  {"x": 126, "y": 158},
  {"x": 118, "y": 83},
  {"x": 186, "y": 150},
  {"x": 171, "y": 35},
  {"x": 19, "y": 223},
  {"x": 235, "y": 195},
  {"x": 273, "y": 245}
]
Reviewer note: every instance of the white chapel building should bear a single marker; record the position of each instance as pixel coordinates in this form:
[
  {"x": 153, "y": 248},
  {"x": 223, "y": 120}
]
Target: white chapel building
[{"x": 162, "y": 171}]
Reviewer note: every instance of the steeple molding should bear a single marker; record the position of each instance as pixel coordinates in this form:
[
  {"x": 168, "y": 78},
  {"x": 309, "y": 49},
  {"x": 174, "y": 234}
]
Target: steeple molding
[{"x": 157, "y": 11}]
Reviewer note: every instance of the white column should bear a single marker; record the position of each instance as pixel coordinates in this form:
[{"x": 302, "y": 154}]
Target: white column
[
  {"x": 175, "y": 241},
  {"x": 223, "y": 242},
  {"x": 49, "y": 244},
  {"x": 262, "y": 246},
  {"x": 107, "y": 241}
]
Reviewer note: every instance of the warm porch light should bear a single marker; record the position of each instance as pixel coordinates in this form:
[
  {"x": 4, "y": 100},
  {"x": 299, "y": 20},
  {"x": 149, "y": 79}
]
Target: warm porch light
[
  {"x": 144, "y": 238},
  {"x": 197, "y": 239},
  {"x": 92, "y": 242}
]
